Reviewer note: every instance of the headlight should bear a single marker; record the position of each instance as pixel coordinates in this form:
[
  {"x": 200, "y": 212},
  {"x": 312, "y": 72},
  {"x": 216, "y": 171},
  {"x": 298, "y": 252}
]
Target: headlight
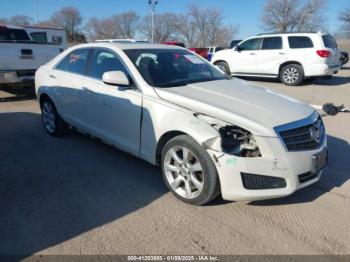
[{"x": 234, "y": 140}]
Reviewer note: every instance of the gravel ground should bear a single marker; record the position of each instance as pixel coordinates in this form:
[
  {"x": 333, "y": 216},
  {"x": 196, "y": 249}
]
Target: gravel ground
[{"x": 75, "y": 195}]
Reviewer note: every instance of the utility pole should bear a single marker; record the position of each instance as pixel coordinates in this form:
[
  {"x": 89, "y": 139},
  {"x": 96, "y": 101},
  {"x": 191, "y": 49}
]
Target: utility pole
[
  {"x": 36, "y": 11},
  {"x": 152, "y": 4}
]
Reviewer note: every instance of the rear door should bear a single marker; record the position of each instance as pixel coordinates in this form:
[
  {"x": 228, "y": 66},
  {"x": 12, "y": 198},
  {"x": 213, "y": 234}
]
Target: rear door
[
  {"x": 331, "y": 45},
  {"x": 69, "y": 77},
  {"x": 244, "y": 57},
  {"x": 302, "y": 49},
  {"x": 271, "y": 56}
]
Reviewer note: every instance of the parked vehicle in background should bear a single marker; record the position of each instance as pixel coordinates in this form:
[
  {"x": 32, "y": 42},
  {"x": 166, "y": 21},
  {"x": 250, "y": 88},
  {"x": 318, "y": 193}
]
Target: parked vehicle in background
[
  {"x": 344, "y": 58},
  {"x": 174, "y": 43},
  {"x": 234, "y": 43},
  {"x": 210, "y": 133},
  {"x": 48, "y": 35},
  {"x": 212, "y": 50},
  {"x": 21, "y": 56},
  {"x": 202, "y": 51},
  {"x": 121, "y": 40},
  {"x": 291, "y": 57}
]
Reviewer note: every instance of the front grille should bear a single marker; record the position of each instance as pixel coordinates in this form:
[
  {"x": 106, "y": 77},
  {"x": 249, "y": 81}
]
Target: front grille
[
  {"x": 306, "y": 177},
  {"x": 304, "y": 138},
  {"x": 257, "y": 182}
]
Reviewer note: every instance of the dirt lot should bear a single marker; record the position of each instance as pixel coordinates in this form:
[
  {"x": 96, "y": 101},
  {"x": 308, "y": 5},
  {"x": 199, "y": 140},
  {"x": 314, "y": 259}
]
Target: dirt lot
[{"x": 76, "y": 196}]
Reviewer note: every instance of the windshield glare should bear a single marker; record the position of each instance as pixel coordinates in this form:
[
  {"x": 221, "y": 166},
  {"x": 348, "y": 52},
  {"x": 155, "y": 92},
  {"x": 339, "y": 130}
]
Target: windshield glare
[{"x": 172, "y": 67}]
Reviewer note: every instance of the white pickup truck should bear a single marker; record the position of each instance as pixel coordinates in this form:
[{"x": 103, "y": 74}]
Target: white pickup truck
[{"x": 21, "y": 56}]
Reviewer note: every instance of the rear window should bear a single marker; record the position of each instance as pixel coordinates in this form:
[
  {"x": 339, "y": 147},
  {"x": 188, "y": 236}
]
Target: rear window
[
  {"x": 300, "y": 42},
  {"x": 271, "y": 43},
  {"x": 13, "y": 35},
  {"x": 329, "y": 41}
]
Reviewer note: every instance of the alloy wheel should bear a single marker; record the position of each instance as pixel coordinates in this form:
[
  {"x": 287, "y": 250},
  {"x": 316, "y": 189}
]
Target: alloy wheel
[
  {"x": 184, "y": 172},
  {"x": 49, "y": 117},
  {"x": 290, "y": 75}
]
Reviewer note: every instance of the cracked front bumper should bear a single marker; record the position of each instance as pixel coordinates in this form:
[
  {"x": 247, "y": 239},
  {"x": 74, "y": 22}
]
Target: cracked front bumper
[{"x": 275, "y": 162}]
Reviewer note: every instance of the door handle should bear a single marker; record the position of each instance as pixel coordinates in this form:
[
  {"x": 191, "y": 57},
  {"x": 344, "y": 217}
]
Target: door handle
[
  {"x": 281, "y": 53},
  {"x": 88, "y": 90},
  {"x": 252, "y": 53},
  {"x": 52, "y": 76}
]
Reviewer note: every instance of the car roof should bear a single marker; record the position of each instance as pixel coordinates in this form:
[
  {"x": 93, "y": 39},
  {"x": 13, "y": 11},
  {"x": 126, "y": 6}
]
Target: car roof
[
  {"x": 11, "y": 26},
  {"x": 128, "y": 45},
  {"x": 292, "y": 33}
]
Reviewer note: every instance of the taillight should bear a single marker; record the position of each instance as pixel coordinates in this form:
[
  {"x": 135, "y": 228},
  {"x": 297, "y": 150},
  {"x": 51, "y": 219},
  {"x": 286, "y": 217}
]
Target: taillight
[{"x": 323, "y": 53}]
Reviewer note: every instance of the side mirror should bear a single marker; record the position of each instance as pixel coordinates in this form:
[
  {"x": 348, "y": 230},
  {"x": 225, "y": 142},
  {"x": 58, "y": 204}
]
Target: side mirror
[
  {"x": 238, "y": 48},
  {"x": 116, "y": 78}
]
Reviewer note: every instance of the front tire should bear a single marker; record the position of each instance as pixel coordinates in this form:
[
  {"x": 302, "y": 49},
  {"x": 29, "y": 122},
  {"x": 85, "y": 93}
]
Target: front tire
[
  {"x": 223, "y": 66},
  {"x": 53, "y": 124},
  {"x": 188, "y": 171},
  {"x": 292, "y": 75}
]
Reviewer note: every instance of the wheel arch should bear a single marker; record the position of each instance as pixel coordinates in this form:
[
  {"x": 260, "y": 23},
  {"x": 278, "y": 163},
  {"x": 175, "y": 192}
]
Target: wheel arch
[
  {"x": 164, "y": 139},
  {"x": 288, "y": 63},
  {"x": 44, "y": 97}
]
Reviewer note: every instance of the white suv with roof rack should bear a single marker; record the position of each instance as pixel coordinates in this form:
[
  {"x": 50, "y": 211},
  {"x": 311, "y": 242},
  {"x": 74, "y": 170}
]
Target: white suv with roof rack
[{"x": 291, "y": 57}]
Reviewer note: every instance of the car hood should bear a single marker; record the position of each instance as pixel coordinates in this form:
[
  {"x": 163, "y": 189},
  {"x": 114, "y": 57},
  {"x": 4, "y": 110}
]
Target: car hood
[{"x": 254, "y": 108}]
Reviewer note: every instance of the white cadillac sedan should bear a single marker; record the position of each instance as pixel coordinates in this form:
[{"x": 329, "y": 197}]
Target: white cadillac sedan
[{"x": 210, "y": 133}]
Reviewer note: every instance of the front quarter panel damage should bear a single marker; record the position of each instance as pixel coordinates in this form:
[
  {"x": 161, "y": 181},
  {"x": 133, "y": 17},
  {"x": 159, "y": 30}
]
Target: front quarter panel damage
[{"x": 160, "y": 117}]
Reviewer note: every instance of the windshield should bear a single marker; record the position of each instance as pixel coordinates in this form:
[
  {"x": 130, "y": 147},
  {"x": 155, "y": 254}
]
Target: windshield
[{"x": 172, "y": 67}]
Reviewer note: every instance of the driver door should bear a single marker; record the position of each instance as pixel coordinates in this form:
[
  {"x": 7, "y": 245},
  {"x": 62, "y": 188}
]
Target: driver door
[
  {"x": 244, "y": 56},
  {"x": 114, "y": 111}
]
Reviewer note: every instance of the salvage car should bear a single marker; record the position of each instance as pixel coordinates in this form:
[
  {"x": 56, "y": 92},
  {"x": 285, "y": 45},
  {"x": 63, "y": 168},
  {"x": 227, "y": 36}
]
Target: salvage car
[{"x": 210, "y": 133}]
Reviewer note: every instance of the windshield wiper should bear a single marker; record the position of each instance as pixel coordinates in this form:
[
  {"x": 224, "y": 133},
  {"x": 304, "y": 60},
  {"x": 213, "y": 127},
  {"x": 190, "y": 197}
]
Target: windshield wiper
[
  {"x": 173, "y": 83},
  {"x": 205, "y": 79}
]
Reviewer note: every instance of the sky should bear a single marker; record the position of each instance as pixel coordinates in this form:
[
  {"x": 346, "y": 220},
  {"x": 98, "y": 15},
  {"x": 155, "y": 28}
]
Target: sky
[{"x": 243, "y": 13}]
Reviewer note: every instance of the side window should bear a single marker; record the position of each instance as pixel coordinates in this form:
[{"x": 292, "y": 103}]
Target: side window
[
  {"x": 272, "y": 43},
  {"x": 39, "y": 37},
  {"x": 13, "y": 34},
  {"x": 300, "y": 42},
  {"x": 75, "y": 62},
  {"x": 105, "y": 61},
  {"x": 250, "y": 45}
]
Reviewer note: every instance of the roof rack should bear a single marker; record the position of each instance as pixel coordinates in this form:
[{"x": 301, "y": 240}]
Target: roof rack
[{"x": 285, "y": 33}]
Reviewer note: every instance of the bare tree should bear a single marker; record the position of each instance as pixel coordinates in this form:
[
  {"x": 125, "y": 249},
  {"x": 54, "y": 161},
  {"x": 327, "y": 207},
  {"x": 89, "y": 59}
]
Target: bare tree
[
  {"x": 128, "y": 23},
  {"x": 68, "y": 18},
  {"x": 280, "y": 15},
  {"x": 164, "y": 27},
  {"x": 17, "y": 20},
  {"x": 200, "y": 19},
  {"x": 21, "y": 20},
  {"x": 122, "y": 25},
  {"x": 344, "y": 17},
  {"x": 102, "y": 28},
  {"x": 210, "y": 26},
  {"x": 309, "y": 15},
  {"x": 292, "y": 15},
  {"x": 186, "y": 29}
]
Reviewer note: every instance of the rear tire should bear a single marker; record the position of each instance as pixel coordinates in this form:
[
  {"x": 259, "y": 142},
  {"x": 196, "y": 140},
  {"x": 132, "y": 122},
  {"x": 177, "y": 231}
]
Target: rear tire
[
  {"x": 188, "y": 171},
  {"x": 292, "y": 75},
  {"x": 53, "y": 124},
  {"x": 223, "y": 66}
]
